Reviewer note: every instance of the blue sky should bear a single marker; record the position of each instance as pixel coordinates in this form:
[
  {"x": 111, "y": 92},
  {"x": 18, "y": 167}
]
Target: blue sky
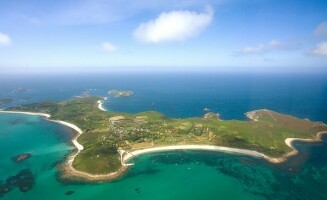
[{"x": 163, "y": 35}]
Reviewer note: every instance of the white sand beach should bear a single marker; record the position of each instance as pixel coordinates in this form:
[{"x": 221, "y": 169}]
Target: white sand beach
[
  {"x": 100, "y": 105},
  {"x": 77, "y": 129},
  {"x": 47, "y": 116},
  {"x": 289, "y": 142},
  {"x": 27, "y": 113},
  {"x": 129, "y": 155},
  {"x": 68, "y": 166}
]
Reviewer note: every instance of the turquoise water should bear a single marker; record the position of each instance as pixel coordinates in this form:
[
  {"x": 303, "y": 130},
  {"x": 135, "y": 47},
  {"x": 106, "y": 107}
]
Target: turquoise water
[
  {"x": 149, "y": 179},
  {"x": 170, "y": 175}
]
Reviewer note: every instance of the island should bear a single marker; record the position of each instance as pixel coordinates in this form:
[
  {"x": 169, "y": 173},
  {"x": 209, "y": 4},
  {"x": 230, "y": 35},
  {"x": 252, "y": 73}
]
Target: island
[
  {"x": 3, "y": 101},
  {"x": 107, "y": 140},
  {"x": 121, "y": 93},
  {"x": 19, "y": 90}
]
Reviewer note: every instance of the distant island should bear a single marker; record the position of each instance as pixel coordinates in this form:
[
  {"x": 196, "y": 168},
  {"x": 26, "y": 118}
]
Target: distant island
[
  {"x": 3, "y": 101},
  {"x": 121, "y": 93},
  {"x": 106, "y": 140},
  {"x": 19, "y": 90}
]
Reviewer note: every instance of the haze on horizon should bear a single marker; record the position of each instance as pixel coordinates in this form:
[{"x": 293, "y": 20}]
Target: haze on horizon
[{"x": 196, "y": 35}]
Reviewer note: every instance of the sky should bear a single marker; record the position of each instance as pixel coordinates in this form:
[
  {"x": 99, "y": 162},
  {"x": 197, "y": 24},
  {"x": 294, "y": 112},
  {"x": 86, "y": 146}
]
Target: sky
[{"x": 186, "y": 35}]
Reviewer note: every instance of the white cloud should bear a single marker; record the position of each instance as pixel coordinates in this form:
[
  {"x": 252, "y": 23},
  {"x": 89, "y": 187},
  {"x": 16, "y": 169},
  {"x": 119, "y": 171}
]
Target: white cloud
[
  {"x": 174, "y": 26},
  {"x": 4, "y": 39},
  {"x": 106, "y": 46},
  {"x": 321, "y": 29},
  {"x": 253, "y": 49},
  {"x": 320, "y": 49},
  {"x": 273, "y": 45}
]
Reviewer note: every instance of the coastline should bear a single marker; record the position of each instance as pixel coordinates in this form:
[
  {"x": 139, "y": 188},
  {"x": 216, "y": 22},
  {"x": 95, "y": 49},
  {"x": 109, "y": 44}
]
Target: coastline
[
  {"x": 283, "y": 158},
  {"x": 129, "y": 155},
  {"x": 78, "y": 146},
  {"x": 47, "y": 116},
  {"x": 100, "y": 106},
  {"x": 67, "y": 168},
  {"x": 26, "y": 113},
  {"x": 70, "y": 172},
  {"x": 289, "y": 141}
]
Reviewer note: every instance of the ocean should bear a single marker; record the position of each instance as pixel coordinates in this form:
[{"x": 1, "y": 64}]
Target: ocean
[{"x": 168, "y": 175}]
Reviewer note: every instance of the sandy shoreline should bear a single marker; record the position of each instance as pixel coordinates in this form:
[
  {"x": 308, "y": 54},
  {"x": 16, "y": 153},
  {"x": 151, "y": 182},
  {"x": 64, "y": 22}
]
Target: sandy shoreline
[
  {"x": 289, "y": 142},
  {"x": 27, "y": 113},
  {"x": 100, "y": 105},
  {"x": 129, "y": 155},
  {"x": 70, "y": 171},
  {"x": 47, "y": 116},
  {"x": 78, "y": 146},
  {"x": 77, "y": 129}
]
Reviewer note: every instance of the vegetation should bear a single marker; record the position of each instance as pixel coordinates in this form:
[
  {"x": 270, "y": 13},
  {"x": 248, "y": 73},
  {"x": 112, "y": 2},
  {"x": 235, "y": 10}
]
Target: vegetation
[{"x": 104, "y": 133}]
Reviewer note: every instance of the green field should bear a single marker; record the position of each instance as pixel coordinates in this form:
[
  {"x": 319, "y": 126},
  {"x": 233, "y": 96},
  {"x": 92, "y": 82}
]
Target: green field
[{"x": 106, "y": 132}]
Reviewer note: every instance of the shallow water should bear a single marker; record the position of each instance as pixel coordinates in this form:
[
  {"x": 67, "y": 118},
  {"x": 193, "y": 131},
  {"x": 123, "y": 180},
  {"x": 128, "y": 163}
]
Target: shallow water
[
  {"x": 152, "y": 177},
  {"x": 169, "y": 175}
]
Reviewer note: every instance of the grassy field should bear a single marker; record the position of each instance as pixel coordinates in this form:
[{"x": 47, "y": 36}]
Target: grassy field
[{"x": 104, "y": 133}]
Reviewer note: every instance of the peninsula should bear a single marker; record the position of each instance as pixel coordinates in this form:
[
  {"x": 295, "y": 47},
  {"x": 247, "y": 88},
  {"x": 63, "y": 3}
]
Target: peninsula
[
  {"x": 107, "y": 140},
  {"x": 121, "y": 93}
]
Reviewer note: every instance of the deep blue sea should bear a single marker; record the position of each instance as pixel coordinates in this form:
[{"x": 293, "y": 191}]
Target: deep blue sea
[
  {"x": 181, "y": 95},
  {"x": 173, "y": 175}
]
